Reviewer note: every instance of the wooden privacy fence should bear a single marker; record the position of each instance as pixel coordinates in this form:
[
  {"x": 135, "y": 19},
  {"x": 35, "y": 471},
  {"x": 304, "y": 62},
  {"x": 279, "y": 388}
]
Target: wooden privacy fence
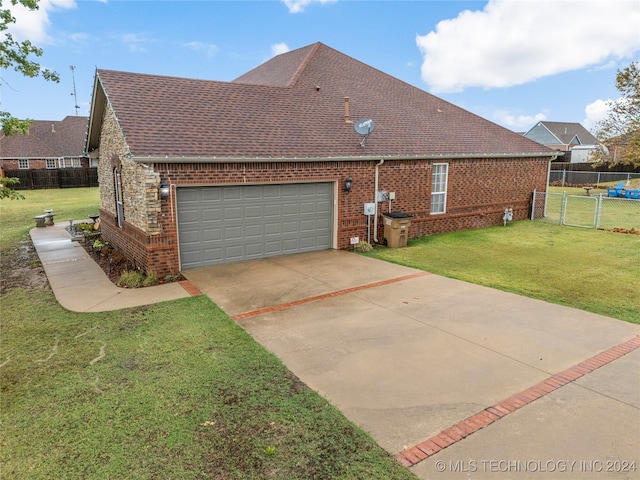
[{"x": 55, "y": 178}]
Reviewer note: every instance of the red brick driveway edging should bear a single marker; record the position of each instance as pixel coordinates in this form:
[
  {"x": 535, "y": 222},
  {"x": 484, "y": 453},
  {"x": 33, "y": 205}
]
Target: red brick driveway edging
[
  {"x": 472, "y": 424},
  {"x": 282, "y": 306}
]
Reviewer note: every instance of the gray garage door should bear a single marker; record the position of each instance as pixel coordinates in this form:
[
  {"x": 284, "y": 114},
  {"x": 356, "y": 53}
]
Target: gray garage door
[{"x": 228, "y": 224}]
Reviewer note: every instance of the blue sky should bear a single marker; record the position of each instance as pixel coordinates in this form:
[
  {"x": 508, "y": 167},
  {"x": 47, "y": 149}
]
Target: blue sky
[{"x": 514, "y": 62}]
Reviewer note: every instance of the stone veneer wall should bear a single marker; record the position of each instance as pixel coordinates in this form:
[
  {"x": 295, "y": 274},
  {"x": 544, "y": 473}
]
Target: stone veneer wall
[{"x": 141, "y": 236}]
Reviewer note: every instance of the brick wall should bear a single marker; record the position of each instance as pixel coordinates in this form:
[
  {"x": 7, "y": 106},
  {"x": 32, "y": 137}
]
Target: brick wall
[
  {"x": 474, "y": 198},
  {"x": 38, "y": 164}
]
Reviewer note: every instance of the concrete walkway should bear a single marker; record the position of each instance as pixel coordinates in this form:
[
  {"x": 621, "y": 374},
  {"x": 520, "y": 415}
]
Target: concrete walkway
[
  {"x": 80, "y": 285},
  {"x": 456, "y": 380}
]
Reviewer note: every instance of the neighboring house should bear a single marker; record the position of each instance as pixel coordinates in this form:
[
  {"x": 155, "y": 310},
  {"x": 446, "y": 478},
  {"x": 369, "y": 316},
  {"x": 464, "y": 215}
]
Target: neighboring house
[
  {"x": 48, "y": 145},
  {"x": 565, "y": 137},
  {"x": 270, "y": 164}
]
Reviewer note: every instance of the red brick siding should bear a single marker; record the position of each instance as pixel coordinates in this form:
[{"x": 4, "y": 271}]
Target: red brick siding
[
  {"x": 478, "y": 192},
  {"x": 36, "y": 164}
]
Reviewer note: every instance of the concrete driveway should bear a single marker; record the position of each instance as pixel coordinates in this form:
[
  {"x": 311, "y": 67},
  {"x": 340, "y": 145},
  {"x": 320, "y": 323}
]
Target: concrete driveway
[{"x": 456, "y": 380}]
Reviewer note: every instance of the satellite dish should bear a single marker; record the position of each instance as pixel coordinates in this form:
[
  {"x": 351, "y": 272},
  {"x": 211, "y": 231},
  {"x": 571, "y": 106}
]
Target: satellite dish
[{"x": 364, "y": 126}]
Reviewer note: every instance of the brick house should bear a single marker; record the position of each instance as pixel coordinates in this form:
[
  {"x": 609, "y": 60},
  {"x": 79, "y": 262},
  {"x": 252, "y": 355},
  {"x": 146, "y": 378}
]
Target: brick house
[
  {"x": 48, "y": 145},
  {"x": 271, "y": 163}
]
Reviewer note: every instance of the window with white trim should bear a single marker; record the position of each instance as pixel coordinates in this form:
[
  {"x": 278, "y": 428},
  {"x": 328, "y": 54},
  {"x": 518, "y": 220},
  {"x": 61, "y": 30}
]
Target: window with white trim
[
  {"x": 439, "y": 188},
  {"x": 117, "y": 179},
  {"x": 23, "y": 164},
  {"x": 70, "y": 163},
  {"x": 51, "y": 163}
]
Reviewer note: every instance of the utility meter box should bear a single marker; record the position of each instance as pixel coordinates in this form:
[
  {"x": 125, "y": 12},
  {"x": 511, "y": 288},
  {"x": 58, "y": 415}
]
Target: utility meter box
[
  {"x": 369, "y": 208},
  {"x": 396, "y": 229}
]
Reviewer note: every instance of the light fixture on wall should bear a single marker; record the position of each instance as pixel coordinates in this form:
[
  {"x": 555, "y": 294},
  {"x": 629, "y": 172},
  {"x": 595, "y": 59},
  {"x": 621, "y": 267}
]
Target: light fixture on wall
[
  {"x": 164, "y": 190},
  {"x": 348, "y": 183}
]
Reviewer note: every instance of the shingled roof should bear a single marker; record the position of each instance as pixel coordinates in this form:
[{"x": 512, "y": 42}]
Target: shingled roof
[
  {"x": 292, "y": 106},
  {"x": 47, "y": 139},
  {"x": 570, "y": 133}
]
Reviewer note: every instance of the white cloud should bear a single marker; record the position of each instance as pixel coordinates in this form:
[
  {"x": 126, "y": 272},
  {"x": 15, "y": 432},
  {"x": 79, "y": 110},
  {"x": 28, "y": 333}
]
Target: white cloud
[
  {"x": 34, "y": 25},
  {"x": 209, "y": 49},
  {"x": 517, "y": 122},
  {"x": 511, "y": 42},
  {"x": 298, "y": 6},
  {"x": 134, "y": 41},
  {"x": 595, "y": 112},
  {"x": 278, "y": 48}
]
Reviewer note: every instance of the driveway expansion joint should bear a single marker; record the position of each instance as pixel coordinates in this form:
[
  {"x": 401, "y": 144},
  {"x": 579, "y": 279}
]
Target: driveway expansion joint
[
  {"x": 413, "y": 455},
  {"x": 337, "y": 293}
]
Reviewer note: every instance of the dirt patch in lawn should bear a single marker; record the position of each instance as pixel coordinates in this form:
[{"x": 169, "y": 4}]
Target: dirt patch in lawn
[{"x": 21, "y": 267}]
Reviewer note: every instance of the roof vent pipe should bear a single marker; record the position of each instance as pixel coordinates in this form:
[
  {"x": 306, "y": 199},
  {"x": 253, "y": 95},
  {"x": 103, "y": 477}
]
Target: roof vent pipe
[{"x": 346, "y": 110}]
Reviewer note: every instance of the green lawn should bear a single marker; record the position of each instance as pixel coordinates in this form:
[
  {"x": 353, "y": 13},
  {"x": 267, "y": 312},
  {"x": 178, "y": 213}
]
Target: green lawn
[
  {"x": 177, "y": 390},
  {"x": 593, "y": 270},
  {"x": 16, "y": 216},
  {"x": 173, "y": 391}
]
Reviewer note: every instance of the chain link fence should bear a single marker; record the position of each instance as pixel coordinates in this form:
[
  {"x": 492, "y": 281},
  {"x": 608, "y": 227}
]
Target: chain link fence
[
  {"x": 564, "y": 178},
  {"x": 598, "y": 211}
]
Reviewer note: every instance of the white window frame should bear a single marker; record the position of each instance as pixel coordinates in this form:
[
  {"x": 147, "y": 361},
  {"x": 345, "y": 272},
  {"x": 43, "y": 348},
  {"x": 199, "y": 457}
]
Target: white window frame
[
  {"x": 23, "y": 164},
  {"x": 439, "y": 185},
  {"x": 50, "y": 163},
  {"x": 117, "y": 179},
  {"x": 70, "y": 162}
]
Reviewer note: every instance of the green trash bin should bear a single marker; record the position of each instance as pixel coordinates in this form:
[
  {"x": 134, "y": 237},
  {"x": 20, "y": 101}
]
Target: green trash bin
[{"x": 396, "y": 229}]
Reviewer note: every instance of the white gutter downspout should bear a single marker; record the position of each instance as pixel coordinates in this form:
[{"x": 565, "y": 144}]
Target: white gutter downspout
[
  {"x": 549, "y": 170},
  {"x": 375, "y": 199}
]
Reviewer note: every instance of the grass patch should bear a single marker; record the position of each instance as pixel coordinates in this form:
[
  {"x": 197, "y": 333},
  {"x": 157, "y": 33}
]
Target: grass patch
[
  {"x": 16, "y": 216},
  {"x": 177, "y": 390},
  {"x": 592, "y": 270},
  {"x": 581, "y": 210}
]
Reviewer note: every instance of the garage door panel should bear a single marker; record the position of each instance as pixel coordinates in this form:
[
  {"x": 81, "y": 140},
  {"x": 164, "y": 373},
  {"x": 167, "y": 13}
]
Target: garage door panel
[
  {"x": 307, "y": 208},
  {"x": 290, "y": 209},
  {"x": 272, "y": 228},
  {"x": 232, "y": 233},
  {"x": 212, "y": 214},
  {"x": 323, "y": 207},
  {"x": 271, "y": 191},
  {"x": 190, "y": 195},
  {"x": 289, "y": 227},
  {"x": 272, "y": 210},
  {"x": 232, "y": 193},
  {"x": 227, "y": 224},
  {"x": 213, "y": 254},
  {"x": 290, "y": 245},
  {"x": 252, "y": 231},
  {"x": 308, "y": 225},
  {"x": 253, "y": 211},
  {"x": 211, "y": 234},
  {"x": 232, "y": 213}
]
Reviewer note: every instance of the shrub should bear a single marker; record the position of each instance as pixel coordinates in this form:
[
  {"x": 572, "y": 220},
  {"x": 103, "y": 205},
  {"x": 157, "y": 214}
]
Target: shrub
[
  {"x": 131, "y": 279},
  {"x": 363, "y": 247},
  {"x": 150, "y": 279}
]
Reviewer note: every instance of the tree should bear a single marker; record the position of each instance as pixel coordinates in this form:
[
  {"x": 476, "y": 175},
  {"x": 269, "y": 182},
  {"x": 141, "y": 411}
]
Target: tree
[
  {"x": 6, "y": 191},
  {"x": 19, "y": 56},
  {"x": 619, "y": 131}
]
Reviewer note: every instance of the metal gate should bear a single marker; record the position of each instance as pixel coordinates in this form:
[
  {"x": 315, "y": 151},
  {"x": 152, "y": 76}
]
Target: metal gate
[{"x": 580, "y": 211}]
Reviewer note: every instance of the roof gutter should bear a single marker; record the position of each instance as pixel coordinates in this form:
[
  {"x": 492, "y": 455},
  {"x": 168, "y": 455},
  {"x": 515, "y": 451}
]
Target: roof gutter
[{"x": 376, "y": 158}]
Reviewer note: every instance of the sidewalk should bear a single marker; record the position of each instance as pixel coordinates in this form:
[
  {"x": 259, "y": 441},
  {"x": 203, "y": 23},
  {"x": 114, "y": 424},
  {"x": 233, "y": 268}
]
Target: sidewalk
[{"x": 80, "y": 285}]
